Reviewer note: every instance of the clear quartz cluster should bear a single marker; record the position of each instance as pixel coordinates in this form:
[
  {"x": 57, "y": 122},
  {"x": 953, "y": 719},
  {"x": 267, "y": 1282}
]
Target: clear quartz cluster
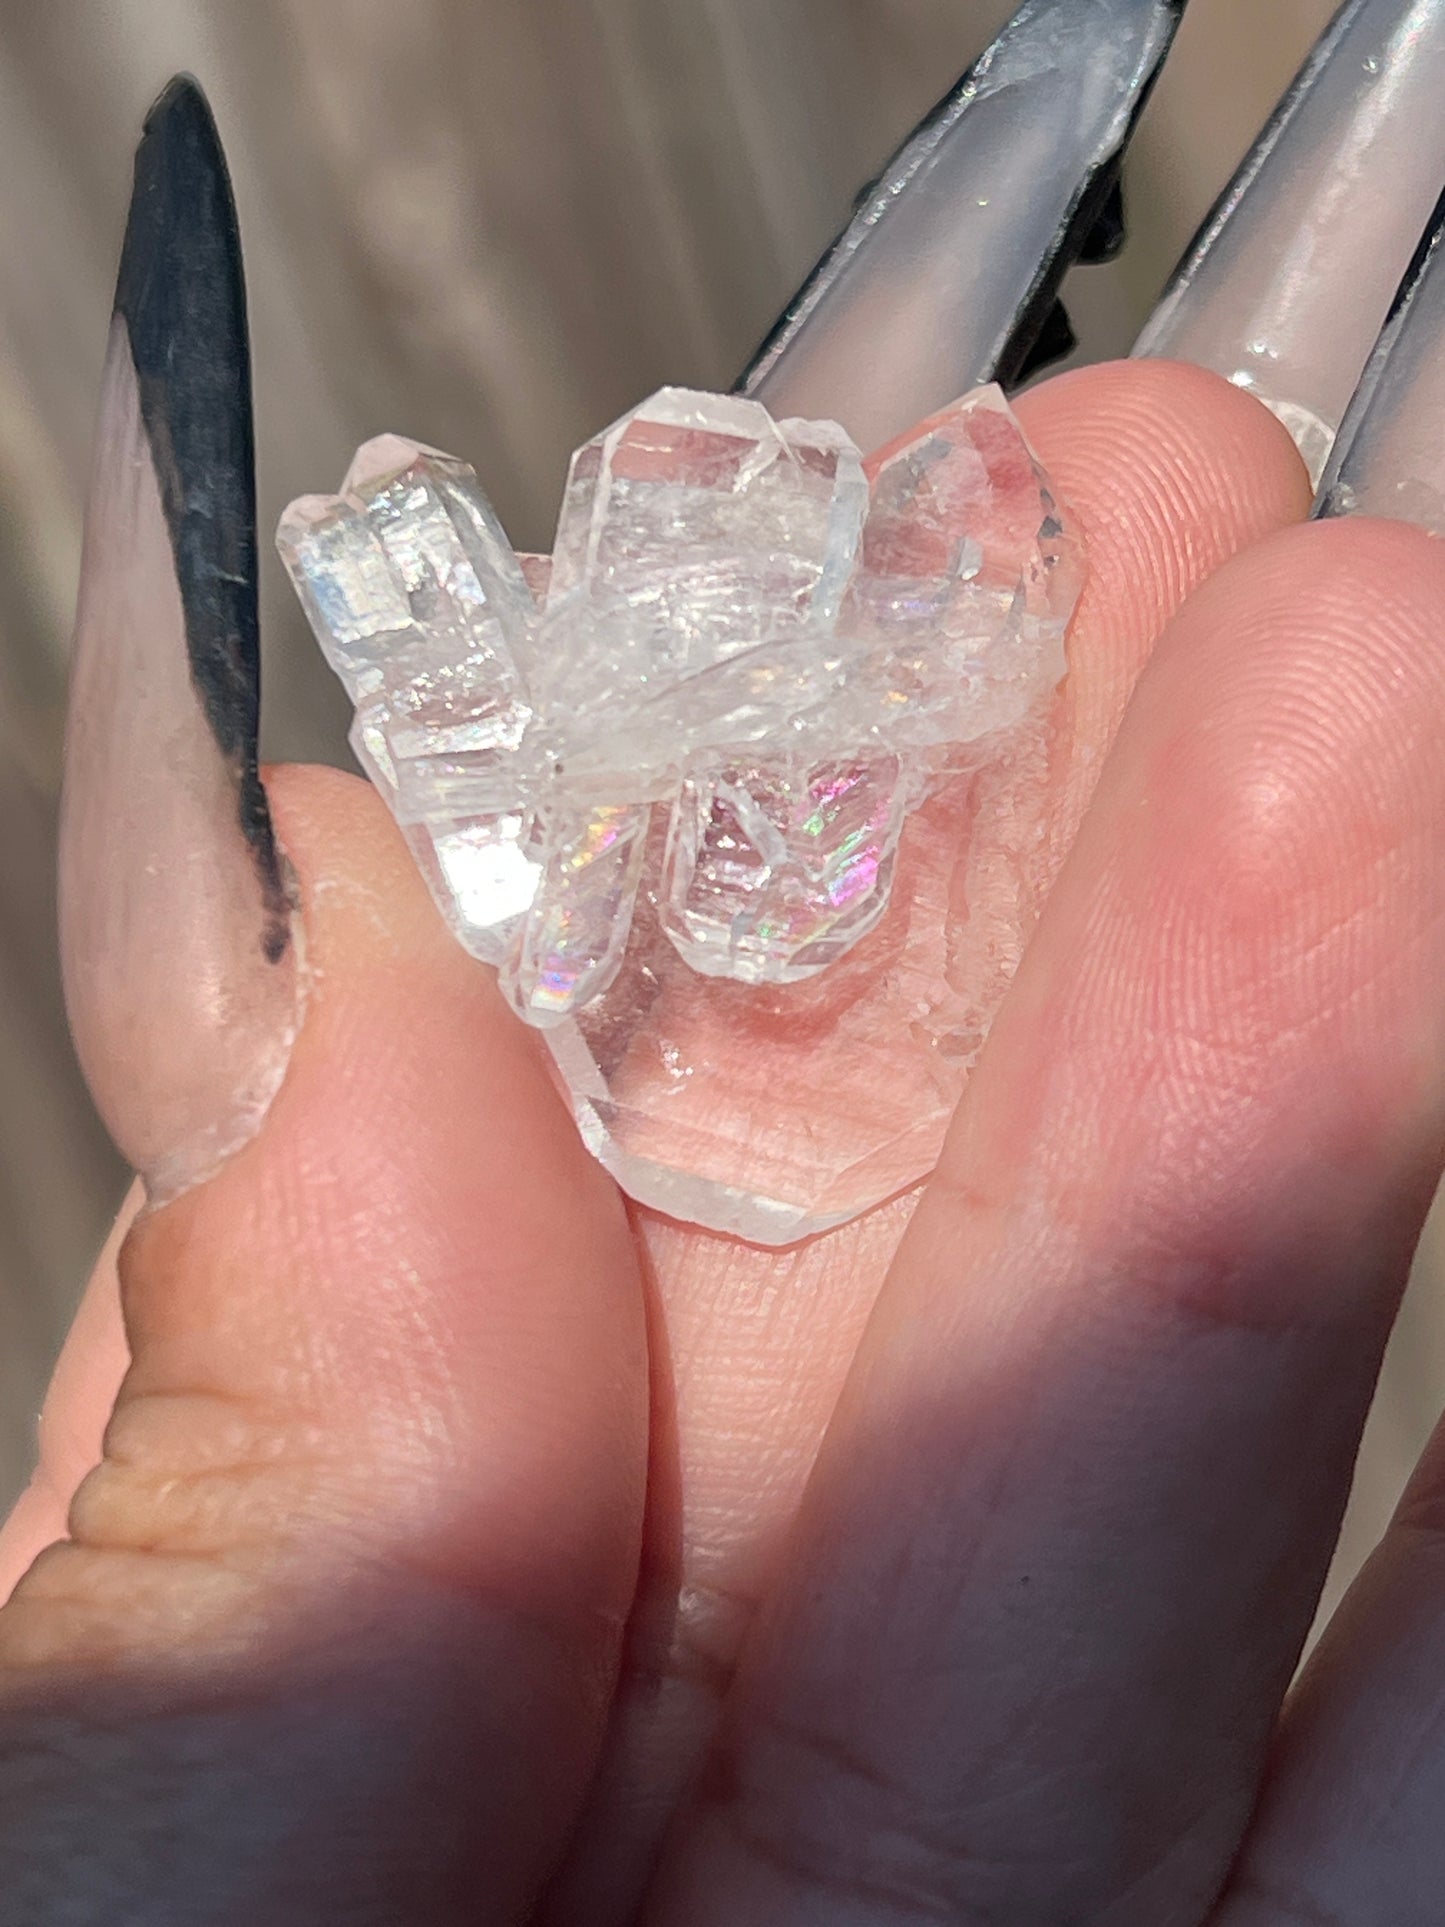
[{"x": 688, "y": 749}]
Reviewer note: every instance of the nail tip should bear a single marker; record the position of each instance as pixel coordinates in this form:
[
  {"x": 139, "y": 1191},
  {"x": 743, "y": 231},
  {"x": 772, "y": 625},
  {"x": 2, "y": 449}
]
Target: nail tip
[
  {"x": 182, "y": 97},
  {"x": 182, "y": 211},
  {"x": 1139, "y": 35},
  {"x": 181, "y": 297},
  {"x": 1109, "y": 234},
  {"x": 180, "y": 293},
  {"x": 179, "y": 953},
  {"x": 1367, "y": 470},
  {"x": 1363, "y": 108}
]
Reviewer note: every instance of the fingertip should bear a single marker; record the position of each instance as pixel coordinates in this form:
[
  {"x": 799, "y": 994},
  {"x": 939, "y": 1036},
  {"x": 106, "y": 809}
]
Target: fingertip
[
  {"x": 1325, "y": 634},
  {"x": 1284, "y": 748},
  {"x": 1171, "y": 469},
  {"x": 1198, "y": 413},
  {"x": 1371, "y": 555},
  {"x": 1167, "y": 472}
]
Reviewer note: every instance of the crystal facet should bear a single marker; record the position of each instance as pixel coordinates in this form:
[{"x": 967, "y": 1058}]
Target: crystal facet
[
  {"x": 741, "y": 788},
  {"x": 964, "y": 575},
  {"x": 774, "y": 871},
  {"x": 423, "y": 610},
  {"x": 572, "y": 937},
  {"x": 701, "y": 557}
]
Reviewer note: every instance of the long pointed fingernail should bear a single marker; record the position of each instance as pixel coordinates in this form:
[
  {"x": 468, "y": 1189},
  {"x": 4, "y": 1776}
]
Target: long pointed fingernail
[
  {"x": 1389, "y": 458},
  {"x": 1285, "y": 289},
  {"x": 180, "y": 973},
  {"x": 952, "y": 264}
]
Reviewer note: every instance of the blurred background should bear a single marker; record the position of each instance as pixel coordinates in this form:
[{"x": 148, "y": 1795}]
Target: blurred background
[{"x": 492, "y": 224}]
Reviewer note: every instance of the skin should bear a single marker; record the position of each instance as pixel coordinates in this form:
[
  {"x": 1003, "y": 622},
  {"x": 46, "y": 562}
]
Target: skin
[{"x": 464, "y": 1548}]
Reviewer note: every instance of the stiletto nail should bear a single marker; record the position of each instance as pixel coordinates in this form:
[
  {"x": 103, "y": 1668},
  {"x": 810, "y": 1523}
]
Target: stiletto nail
[
  {"x": 1286, "y": 287},
  {"x": 951, "y": 266},
  {"x": 180, "y": 974},
  {"x": 1389, "y": 458}
]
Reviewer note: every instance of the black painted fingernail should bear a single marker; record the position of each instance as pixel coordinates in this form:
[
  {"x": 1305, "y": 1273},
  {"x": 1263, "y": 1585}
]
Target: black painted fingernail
[
  {"x": 176, "y": 938},
  {"x": 1056, "y": 340}
]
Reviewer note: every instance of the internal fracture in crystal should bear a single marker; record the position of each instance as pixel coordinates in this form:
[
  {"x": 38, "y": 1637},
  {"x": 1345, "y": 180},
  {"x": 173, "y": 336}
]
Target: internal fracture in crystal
[
  {"x": 774, "y": 869},
  {"x": 737, "y": 631},
  {"x": 695, "y": 738}
]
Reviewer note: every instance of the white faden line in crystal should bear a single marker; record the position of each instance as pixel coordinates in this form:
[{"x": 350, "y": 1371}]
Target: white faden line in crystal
[
  {"x": 775, "y": 870},
  {"x": 695, "y": 534},
  {"x": 669, "y": 779}
]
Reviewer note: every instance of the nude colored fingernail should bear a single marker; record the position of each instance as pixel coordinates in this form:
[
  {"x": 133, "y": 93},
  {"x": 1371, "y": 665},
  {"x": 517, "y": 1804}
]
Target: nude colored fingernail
[
  {"x": 948, "y": 274},
  {"x": 1286, "y": 287},
  {"x": 176, "y": 925},
  {"x": 1390, "y": 455}
]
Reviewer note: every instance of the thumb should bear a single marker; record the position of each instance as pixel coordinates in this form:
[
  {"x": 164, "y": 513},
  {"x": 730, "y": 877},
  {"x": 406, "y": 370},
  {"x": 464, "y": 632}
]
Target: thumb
[
  {"x": 338, "y": 1610},
  {"x": 79, "y": 1401}
]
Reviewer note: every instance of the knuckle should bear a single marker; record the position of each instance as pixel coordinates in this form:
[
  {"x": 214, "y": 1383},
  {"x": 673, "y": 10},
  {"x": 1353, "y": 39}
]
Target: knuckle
[
  {"x": 101, "y": 1607},
  {"x": 198, "y": 1495},
  {"x": 821, "y": 1816}
]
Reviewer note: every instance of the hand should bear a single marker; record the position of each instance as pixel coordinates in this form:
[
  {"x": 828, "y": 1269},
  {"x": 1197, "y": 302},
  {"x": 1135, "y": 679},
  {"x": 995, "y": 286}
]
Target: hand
[{"x": 349, "y": 1622}]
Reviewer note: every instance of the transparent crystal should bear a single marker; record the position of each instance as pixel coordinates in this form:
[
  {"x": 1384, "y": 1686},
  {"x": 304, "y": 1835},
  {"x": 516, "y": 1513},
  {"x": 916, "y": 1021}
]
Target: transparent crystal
[
  {"x": 774, "y": 1112},
  {"x": 702, "y": 554},
  {"x": 425, "y": 613},
  {"x": 570, "y": 943},
  {"x": 454, "y": 684},
  {"x": 966, "y": 582},
  {"x": 745, "y": 788},
  {"x": 697, "y": 528},
  {"x": 774, "y": 871},
  {"x": 357, "y": 607}
]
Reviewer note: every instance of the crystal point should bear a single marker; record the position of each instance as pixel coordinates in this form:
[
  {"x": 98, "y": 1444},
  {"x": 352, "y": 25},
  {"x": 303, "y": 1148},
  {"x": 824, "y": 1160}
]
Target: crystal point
[
  {"x": 695, "y": 532},
  {"x": 570, "y": 944},
  {"x": 968, "y": 577},
  {"x": 423, "y": 610},
  {"x": 346, "y": 586},
  {"x": 775, "y": 871}
]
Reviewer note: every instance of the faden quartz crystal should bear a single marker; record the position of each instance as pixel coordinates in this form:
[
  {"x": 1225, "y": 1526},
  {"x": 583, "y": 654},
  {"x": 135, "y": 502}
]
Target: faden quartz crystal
[{"x": 740, "y": 788}]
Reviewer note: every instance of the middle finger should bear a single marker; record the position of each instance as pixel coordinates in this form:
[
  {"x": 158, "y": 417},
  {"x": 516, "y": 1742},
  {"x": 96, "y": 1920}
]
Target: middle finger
[{"x": 1169, "y": 471}]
